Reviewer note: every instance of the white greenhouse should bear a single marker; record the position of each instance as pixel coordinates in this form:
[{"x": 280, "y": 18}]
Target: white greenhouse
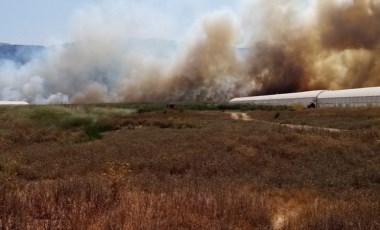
[
  {"x": 364, "y": 97},
  {"x": 320, "y": 98},
  {"x": 303, "y": 98},
  {"x": 13, "y": 103}
]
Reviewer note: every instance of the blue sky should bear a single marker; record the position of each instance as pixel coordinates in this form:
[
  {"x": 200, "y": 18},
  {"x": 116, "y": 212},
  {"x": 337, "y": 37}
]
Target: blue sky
[{"x": 47, "y": 21}]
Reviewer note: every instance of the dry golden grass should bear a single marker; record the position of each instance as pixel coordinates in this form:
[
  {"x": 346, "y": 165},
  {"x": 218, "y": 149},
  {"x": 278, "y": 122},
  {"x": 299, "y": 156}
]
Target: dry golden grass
[
  {"x": 184, "y": 170},
  {"x": 341, "y": 118}
]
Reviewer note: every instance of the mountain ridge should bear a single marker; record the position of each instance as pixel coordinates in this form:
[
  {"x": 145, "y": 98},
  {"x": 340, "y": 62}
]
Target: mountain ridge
[
  {"x": 19, "y": 54},
  {"x": 22, "y": 54}
]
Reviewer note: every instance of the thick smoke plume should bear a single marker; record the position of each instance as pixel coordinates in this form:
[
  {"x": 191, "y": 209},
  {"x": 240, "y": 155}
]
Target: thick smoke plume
[
  {"x": 268, "y": 47},
  {"x": 335, "y": 46}
]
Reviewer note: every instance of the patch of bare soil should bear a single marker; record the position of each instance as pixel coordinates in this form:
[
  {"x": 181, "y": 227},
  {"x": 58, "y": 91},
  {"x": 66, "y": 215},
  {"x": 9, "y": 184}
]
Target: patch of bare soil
[{"x": 245, "y": 117}]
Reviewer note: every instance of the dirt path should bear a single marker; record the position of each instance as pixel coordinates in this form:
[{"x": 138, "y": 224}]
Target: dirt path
[
  {"x": 246, "y": 117},
  {"x": 240, "y": 116}
]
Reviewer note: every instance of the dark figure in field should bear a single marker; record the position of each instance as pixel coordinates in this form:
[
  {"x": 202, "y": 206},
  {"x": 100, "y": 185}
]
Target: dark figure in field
[
  {"x": 312, "y": 105},
  {"x": 170, "y": 106}
]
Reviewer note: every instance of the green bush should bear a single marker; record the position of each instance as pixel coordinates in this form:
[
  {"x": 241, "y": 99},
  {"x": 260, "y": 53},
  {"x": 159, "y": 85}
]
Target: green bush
[
  {"x": 94, "y": 130},
  {"x": 223, "y": 107},
  {"x": 199, "y": 106},
  {"x": 75, "y": 121},
  {"x": 151, "y": 108}
]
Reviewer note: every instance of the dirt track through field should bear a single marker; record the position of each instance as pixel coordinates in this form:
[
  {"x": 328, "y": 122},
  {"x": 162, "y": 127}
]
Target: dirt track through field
[
  {"x": 241, "y": 116},
  {"x": 246, "y": 117}
]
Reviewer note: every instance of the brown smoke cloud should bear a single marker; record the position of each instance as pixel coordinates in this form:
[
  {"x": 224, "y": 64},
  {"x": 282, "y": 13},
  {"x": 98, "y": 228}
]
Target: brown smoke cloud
[
  {"x": 268, "y": 47},
  {"x": 338, "y": 48},
  {"x": 335, "y": 46},
  {"x": 201, "y": 71}
]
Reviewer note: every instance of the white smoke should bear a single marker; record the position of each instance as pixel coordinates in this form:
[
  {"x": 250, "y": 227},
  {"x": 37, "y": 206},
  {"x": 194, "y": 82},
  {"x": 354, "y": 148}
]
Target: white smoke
[
  {"x": 288, "y": 46},
  {"x": 98, "y": 65}
]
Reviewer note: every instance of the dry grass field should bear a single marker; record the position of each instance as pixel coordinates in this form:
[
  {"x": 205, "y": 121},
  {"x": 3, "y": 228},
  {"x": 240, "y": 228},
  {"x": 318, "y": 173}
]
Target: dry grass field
[{"x": 191, "y": 167}]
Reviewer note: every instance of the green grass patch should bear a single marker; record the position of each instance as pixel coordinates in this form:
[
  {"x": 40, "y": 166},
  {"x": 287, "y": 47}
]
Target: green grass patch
[{"x": 49, "y": 115}]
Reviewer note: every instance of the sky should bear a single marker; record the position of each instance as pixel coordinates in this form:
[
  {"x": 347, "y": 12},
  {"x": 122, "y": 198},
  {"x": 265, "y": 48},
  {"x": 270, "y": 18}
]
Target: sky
[{"x": 47, "y": 22}]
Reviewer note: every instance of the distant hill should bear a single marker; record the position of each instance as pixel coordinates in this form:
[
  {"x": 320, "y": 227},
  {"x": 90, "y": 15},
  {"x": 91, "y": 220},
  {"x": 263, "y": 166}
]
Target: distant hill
[
  {"x": 19, "y": 54},
  {"x": 22, "y": 54}
]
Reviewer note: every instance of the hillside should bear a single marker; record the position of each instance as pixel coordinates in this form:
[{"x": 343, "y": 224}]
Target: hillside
[
  {"x": 22, "y": 54},
  {"x": 19, "y": 54}
]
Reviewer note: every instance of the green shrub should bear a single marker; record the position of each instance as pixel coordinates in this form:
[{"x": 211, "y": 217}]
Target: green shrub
[
  {"x": 75, "y": 121},
  {"x": 110, "y": 111},
  {"x": 151, "y": 108},
  {"x": 94, "y": 130},
  {"x": 226, "y": 106},
  {"x": 200, "y": 106}
]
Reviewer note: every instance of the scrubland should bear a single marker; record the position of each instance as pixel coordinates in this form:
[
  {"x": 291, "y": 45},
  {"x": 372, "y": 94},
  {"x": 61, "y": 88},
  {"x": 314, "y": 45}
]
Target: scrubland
[{"x": 187, "y": 167}]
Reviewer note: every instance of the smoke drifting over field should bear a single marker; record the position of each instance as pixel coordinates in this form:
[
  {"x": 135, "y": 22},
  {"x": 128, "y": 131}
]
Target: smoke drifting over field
[{"x": 267, "y": 47}]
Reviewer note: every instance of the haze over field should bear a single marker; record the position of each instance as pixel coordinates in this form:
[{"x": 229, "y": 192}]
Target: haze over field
[{"x": 123, "y": 52}]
